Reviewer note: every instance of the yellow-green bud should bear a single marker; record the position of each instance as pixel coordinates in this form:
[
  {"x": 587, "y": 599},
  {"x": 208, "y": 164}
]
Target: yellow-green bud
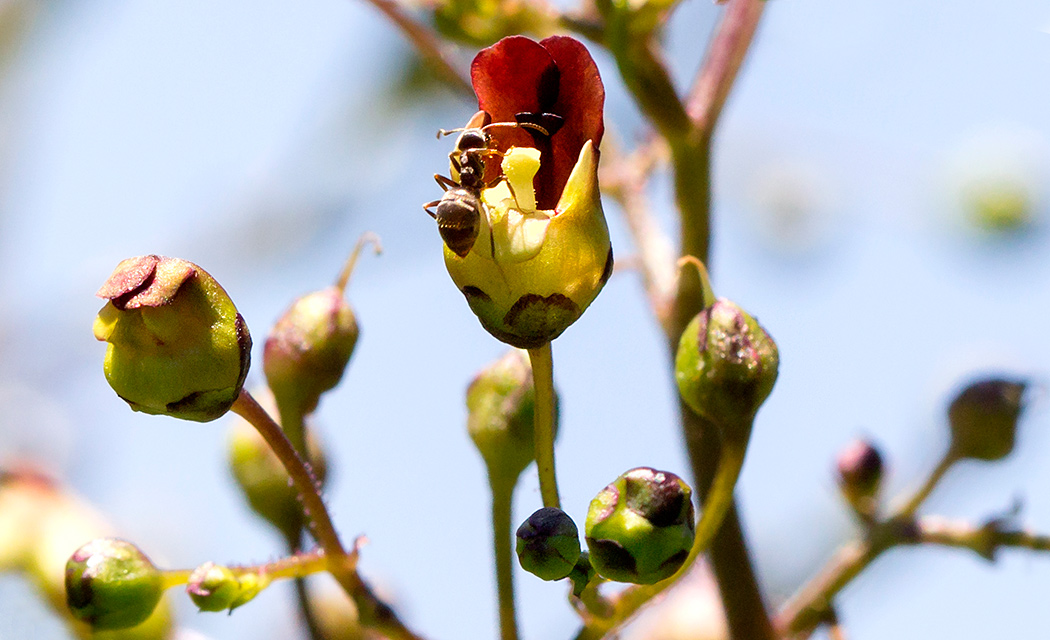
[
  {"x": 726, "y": 366},
  {"x": 548, "y": 544},
  {"x": 214, "y": 587},
  {"x": 308, "y": 349},
  {"x": 500, "y": 405},
  {"x": 263, "y": 479},
  {"x": 335, "y": 613},
  {"x": 983, "y": 418},
  {"x": 177, "y": 345},
  {"x": 640, "y": 528},
  {"x": 531, "y": 273},
  {"x": 859, "y": 469},
  {"x": 111, "y": 584}
]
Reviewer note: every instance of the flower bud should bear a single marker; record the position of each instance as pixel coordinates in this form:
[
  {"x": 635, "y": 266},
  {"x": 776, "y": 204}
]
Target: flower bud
[
  {"x": 640, "y": 528},
  {"x": 983, "y": 418},
  {"x": 500, "y": 405},
  {"x": 308, "y": 349},
  {"x": 263, "y": 479},
  {"x": 214, "y": 587},
  {"x": 548, "y": 544},
  {"x": 860, "y": 475},
  {"x": 726, "y": 366},
  {"x": 111, "y": 584},
  {"x": 335, "y": 613},
  {"x": 176, "y": 344}
]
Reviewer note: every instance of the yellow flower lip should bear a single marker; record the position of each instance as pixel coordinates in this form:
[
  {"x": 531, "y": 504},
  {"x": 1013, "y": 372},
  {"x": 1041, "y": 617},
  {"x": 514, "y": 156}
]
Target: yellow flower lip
[{"x": 531, "y": 272}]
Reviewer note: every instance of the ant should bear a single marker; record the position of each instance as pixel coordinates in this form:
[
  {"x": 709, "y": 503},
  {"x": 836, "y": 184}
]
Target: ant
[{"x": 458, "y": 212}]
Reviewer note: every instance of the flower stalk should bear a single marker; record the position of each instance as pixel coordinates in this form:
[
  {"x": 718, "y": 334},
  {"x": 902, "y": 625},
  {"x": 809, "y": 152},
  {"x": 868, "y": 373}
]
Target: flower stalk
[{"x": 543, "y": 379}]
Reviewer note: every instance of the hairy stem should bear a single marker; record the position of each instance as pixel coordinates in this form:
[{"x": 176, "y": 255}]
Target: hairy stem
[
  {"x": 342, "y": 565},
  {"x": 543, "y": 380}
]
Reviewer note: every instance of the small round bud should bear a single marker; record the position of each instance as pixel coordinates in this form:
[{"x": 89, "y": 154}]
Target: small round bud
[
  {"x": 548, "y": 544},
  {"x": 176, "y": 344},
  {"x": 983, "y": 418},
  {"x": 263, "y": 479},
  {"x": 214, "y": 587},
  {"x": 308, "y": 349},
  {"x": 641, "y": 527},
  {"x": 500, "y": 405},
  {"x": 726, "y": 366},
  {"x": 111, "y": 584},
  {"x": 859, "y": 475}
]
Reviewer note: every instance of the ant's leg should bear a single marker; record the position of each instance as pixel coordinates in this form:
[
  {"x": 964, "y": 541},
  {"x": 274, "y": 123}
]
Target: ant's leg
[
  {"x": 445, "y": 183},
  {"x": 427, "y": 206}
]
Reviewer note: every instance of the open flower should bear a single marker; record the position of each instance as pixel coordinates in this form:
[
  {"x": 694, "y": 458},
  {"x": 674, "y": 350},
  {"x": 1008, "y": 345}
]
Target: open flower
[{"x": 542, "y": 250}]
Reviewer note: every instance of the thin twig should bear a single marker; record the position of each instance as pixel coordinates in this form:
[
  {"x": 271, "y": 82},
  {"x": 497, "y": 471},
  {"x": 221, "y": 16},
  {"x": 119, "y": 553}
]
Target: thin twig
[
  {"x": 725, "y": 55},
  {"x": 342, "y": 565},
  {"x": 426, "y": 43},
  {"x": 624, "y": 179}
]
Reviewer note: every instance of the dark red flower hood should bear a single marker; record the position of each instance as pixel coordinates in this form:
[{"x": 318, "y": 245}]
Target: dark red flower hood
[{"x": 556, "y": 75}]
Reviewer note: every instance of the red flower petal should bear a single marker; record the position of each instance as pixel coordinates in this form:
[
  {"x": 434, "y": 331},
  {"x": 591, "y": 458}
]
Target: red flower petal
[{"x": 557, "y": 75}]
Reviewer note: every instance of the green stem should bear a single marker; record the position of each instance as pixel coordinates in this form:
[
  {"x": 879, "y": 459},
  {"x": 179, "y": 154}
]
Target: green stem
[
  {"x": 341, "y": 563},
  {"x": 502, "y": 495},
  {"x": 923, "y": 493},
  {"x": 543, "y": 380},
  {"x": 373, "y": 612}
]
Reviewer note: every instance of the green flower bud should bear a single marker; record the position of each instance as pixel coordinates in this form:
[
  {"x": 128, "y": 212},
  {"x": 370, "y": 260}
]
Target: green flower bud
[
  {"x": 726, "y": 366},
  {"x": 640, "y": 528},
  {"x": 263, "y": 480},
  {"x": 177, "y": 345},
  {"x": 500, "y": 405},
  {"x": 860, "y": 476},
  {"x": 531, "y": 273},
  {"x": 983, "y": 418},
  {"x": 214, "y": 587},
  {"x": 41, "y": 525},
  {"x": 548, "y": 544},
  {"x": 111, "y": 584},
  {"x": 308, "y": 349}
]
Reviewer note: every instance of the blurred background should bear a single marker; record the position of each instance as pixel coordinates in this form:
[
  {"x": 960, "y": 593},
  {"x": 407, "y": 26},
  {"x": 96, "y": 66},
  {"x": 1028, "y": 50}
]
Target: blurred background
[{"x": 881, "y": 205}]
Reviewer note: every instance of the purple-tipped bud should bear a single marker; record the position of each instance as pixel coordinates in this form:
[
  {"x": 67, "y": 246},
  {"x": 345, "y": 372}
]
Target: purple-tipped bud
[
  {"x": 308, "y": 349},
  {"x": 214, "y": 587},
  {"x": 111, "y": 584},
  {"x": 860, "y": 475},
  {"x": 176, "y": 344},
  {"x": 983, "y": 418},
  {"x": 641, "y": 527},
  {"x": 726, "y": 366},
  {"x": 548, "y": 544}
]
